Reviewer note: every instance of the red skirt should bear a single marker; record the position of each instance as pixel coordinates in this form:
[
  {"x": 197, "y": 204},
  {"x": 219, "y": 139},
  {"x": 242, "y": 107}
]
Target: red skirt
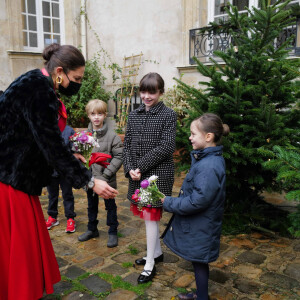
[
  {"x": 28, "y": 266},
  {"x": 147, "y": 213}
]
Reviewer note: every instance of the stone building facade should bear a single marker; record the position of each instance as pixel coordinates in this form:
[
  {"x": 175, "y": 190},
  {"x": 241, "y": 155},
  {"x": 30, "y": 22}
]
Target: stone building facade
[{"x": 160, "y": 29}]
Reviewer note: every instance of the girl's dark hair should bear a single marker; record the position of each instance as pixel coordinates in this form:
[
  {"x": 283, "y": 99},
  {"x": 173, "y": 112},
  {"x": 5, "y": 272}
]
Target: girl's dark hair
[
  {"x": 152, "y": 82},
  {"x": 68, "y": 57},
  {"x": 212, "y": 123}
]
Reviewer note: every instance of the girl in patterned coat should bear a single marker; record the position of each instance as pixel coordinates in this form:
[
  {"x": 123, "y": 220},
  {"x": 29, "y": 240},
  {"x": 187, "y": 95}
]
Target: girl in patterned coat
[{"x": 148, "y": 150}]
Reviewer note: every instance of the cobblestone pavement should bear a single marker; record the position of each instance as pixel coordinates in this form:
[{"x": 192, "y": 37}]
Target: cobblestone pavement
[{"x": 253, "y": 266}]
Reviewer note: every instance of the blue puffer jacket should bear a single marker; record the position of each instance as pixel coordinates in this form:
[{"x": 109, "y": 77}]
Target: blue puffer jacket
[{"x": 195, "y": 230}]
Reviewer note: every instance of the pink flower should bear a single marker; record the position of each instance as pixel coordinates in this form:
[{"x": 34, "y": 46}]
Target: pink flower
[
  {"x": 137, "y": 191},
  {"x": 135, "y": 197},
  {"x": 145, "y": 184},
  {"x": 83, "y": 138}
]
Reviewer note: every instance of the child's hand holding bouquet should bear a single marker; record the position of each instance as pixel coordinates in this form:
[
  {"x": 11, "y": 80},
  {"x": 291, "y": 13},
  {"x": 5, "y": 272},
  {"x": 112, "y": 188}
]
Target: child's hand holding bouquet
[
  {"x": 83, "y": 143},
  {"x": 148, "y": 195}
]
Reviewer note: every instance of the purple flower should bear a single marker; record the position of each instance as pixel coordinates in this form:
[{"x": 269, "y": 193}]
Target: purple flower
[
  {"x": 137, "y": 191},
  {"x": 83, "y": 138},
  {"x": 145, "y": 184}
]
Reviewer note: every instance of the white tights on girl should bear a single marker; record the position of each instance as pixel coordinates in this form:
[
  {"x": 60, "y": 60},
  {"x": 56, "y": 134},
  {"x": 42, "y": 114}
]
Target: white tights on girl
[{"x": 153, "y": 244}]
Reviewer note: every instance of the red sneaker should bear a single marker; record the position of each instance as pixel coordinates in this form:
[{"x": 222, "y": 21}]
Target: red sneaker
[
  {"x": 51, "y": 222},
  {"x": 70, "y": 225}
]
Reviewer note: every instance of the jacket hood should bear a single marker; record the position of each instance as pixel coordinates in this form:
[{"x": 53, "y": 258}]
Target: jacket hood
[{"x": 100, "y": 132}]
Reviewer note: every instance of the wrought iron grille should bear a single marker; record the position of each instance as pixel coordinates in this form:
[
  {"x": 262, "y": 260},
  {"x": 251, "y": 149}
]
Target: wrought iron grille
[
  {"x": 135, "y": 100},
  {"x": 204, "y": 44}
]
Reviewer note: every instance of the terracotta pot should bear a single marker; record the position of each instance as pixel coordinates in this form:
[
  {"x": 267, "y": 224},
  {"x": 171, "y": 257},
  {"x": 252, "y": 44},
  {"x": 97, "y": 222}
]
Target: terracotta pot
[
  {"x": 79, "y": 129},
  {"x": 122, "y": 136},
  {"x": 176, "y": 154}
]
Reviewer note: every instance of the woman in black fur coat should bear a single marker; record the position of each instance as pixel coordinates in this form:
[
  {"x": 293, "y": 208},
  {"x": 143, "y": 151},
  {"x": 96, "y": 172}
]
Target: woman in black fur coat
[{"x": 31, "y": 146}]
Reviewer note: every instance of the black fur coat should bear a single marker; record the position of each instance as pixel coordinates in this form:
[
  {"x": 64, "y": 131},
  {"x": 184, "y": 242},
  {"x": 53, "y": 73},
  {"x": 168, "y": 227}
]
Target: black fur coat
[{"x": 31, "y": 145}]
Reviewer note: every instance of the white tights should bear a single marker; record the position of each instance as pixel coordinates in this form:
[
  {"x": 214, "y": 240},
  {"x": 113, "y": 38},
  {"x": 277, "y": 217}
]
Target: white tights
[{"x": 153, "y": 244}]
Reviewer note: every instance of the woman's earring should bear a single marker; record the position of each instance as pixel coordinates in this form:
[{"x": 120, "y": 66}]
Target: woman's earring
[{"x": 59, "y": 79}]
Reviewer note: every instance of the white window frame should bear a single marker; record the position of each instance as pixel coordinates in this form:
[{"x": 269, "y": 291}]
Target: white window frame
[
  {"x": 252, "y": 3},
  {"x": 39, "y": 23},
  {"x": 211, "y": 9}
]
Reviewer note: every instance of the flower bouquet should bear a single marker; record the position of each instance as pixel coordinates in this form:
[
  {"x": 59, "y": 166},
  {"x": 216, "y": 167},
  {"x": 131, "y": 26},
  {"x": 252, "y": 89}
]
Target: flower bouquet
[
  {"x": 148, "y": 195},
  {"x": 83, "y": 143}
]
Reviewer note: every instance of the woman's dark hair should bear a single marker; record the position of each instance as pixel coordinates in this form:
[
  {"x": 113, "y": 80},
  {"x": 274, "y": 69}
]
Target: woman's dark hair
[
  {"x": 152, "y": 82},
  {"x": 68, "y": 57},
  {"x": 212, "y": 123}
]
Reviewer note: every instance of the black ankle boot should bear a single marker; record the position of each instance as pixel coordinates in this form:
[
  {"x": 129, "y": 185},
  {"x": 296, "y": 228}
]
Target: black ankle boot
[{"x": 88, "y": 235}]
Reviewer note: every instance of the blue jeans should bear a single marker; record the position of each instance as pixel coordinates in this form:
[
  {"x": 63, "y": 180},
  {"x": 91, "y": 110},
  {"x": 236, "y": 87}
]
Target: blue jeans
[
  {"x": 110, "y": 207},
  {"x": 67, "y": 194}
]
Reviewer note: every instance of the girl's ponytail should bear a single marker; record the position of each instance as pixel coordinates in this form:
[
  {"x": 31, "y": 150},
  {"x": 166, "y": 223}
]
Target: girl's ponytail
[{"x": 212, "y": 123}]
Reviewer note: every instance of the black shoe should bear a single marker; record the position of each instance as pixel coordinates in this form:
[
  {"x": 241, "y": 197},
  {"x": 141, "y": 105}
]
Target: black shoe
[
  {"x": 88, "y": 235},
  {"x": 187, "y": 296},
  {"x": 112, "y": 241},
  {"x": 142, "y": 261},
  {"x": 146, "y": 278}
]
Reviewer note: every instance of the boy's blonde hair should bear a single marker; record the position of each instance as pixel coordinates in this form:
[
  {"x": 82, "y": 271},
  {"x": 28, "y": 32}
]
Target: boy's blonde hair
[{"x": 96, "y": 106}]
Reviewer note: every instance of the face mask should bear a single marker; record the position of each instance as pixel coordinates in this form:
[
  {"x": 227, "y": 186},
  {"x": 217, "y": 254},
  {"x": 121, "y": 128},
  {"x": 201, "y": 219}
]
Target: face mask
[{"x": 72, "y": 89}]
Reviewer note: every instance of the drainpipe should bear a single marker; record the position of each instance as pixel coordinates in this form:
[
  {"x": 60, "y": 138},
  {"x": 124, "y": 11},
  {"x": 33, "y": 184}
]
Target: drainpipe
[{"x": 83, "y": 28}]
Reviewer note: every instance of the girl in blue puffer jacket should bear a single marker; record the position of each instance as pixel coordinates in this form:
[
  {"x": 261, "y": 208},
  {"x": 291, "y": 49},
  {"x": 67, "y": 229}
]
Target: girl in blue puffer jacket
[{"x": 195, "y": 228}]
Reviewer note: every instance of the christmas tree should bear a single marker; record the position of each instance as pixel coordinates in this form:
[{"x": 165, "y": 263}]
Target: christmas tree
[
  {"x": 255, "y": 91},
  {"x": 286, "y": 164}
]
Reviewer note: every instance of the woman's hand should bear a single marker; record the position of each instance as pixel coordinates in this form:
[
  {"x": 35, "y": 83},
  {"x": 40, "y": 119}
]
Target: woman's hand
[
  {"x": 162, "y": 200},
  {"x": 79, "y": 157},
  {"x": 104, "y": 190}
]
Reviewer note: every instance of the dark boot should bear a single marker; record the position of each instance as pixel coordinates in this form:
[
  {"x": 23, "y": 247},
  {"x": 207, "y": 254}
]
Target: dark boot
[
  {"x": 112, "y": 241},
  {"x": 88, "y": 235}
]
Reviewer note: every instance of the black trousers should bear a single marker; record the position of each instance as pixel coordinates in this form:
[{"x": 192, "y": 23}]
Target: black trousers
[
  {"x": 67, "y": 194},
  {"x": 201, "y": 276},
  {"x": 110, "y": 207}
]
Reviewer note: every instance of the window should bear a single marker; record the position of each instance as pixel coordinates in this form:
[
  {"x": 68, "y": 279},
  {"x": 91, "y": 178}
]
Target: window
[
  {"x": 42, "y": 23},
  {"x": 216, "y": 8},
  {"x": 288, "y": 31},
  {"x": 204, "y": 44}
]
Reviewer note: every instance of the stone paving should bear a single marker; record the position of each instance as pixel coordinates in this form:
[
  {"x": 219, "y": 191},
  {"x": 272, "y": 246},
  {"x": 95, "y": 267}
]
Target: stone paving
[{"x": 250, "y": 266}]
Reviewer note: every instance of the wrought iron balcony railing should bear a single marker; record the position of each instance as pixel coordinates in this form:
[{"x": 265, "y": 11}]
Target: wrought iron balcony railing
[{"x": 204, "y": 44}]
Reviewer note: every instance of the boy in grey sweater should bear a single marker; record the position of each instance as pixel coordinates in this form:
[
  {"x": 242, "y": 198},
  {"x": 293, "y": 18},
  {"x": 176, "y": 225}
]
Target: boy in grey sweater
[{"x": 109, "y": 143}]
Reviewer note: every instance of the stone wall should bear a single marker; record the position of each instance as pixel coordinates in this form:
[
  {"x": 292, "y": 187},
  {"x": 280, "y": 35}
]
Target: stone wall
[
  {"x": 158, "y": 28},
  {"x": 14, "y": 60}
]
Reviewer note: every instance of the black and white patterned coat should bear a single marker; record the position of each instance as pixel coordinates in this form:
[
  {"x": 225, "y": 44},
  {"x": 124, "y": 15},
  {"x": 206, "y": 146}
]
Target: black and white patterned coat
[{"x": 149, "y": 146}]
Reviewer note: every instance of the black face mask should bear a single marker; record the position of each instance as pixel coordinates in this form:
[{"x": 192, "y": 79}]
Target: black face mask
[{"x": 72, "y": 89}]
